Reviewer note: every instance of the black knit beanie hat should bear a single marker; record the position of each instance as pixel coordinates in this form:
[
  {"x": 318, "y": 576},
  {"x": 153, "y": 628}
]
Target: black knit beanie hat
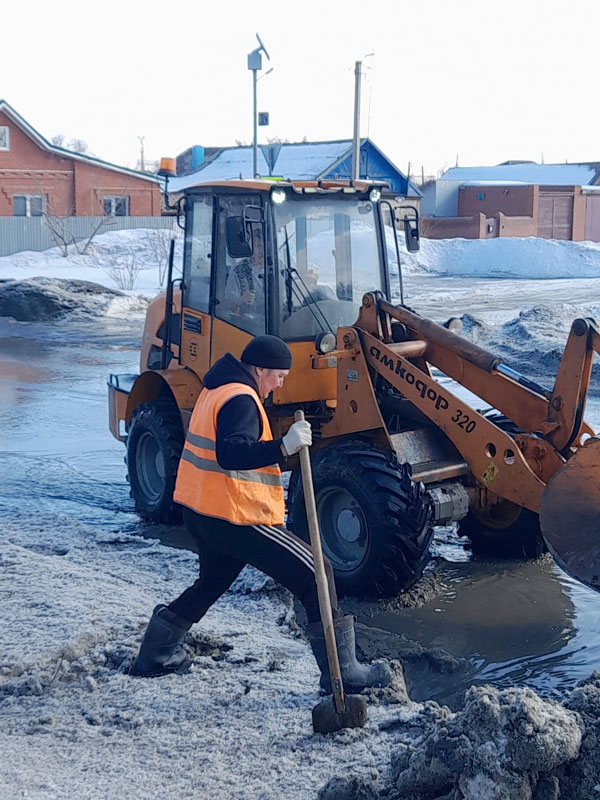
[{"x": 270, "y": 352}]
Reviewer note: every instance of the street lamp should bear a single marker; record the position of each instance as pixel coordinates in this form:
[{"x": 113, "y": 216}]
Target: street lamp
[{"x": 255, "y": 64}]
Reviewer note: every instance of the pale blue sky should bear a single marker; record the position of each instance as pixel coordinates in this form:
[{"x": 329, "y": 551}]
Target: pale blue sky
[{"x": 485, "y": 81}]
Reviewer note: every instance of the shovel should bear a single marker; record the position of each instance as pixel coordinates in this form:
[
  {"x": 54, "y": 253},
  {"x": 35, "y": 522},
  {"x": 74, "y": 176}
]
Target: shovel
[{"x": 339, "y": 710}]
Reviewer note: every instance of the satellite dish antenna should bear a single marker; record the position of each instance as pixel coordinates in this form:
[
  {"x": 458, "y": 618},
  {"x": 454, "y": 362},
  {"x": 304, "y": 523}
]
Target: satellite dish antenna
[{"x": 262, "y": 47}]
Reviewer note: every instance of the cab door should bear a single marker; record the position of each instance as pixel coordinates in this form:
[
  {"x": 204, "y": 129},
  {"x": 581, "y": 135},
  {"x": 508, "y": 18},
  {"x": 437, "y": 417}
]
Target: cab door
[
  {"x": 240, "y": 293},
  {"x": 196, "y": 322}
]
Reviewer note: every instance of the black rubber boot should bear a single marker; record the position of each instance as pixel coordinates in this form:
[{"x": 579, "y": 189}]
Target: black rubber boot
[
  {"x": 161, "y": 652},
  {"x": 355, "y": 676}
]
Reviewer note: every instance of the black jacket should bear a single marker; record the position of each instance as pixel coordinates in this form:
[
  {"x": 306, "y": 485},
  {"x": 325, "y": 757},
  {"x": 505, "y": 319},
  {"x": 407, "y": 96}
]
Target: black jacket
[{"x": 239, "y": 425}]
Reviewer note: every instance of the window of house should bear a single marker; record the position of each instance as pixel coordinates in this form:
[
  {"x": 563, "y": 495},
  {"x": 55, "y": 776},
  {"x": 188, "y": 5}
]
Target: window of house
[
  {"x": 29, "y": 205},
  {"x": 4, "y": 137},
  {"x": 116, "y": 205}
]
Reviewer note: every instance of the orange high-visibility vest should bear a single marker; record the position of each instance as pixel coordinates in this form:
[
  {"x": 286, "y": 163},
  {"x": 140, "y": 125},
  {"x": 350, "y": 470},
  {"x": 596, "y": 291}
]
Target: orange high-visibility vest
[{"x": 244, "y": 497}]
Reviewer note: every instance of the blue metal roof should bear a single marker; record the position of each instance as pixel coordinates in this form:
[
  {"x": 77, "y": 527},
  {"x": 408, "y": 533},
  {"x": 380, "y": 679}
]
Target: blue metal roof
[{"x": 299, "y": 161}]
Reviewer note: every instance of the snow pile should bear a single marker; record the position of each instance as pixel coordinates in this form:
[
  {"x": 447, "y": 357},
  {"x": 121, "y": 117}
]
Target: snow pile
[
  {"x": 533, "y": 342},
  {"x": 46, "y": 299},
  {"x": 497, "y": 747},
  {"x": 529, "y": 257},
  {"x": 133, "y": 261},
  {"x": 582, "y": 778}
]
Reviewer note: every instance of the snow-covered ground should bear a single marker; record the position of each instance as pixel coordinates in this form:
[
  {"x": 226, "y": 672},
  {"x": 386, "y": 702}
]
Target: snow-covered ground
[
  {"x": 75, "y": 725},
  {"x": 76, "y": 597}
]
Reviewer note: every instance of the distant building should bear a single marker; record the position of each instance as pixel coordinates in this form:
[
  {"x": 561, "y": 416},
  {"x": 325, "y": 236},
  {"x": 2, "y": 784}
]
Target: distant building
[
  {"x": 37, "y": 178},
  {"x": 291, "y": 161},
  {"x": 552, "y": 201}
]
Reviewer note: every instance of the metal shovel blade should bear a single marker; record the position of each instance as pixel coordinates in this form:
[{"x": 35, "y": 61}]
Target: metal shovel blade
[
  {"x": 326, "y": 719},
  {"x": 570, "y": 515}
]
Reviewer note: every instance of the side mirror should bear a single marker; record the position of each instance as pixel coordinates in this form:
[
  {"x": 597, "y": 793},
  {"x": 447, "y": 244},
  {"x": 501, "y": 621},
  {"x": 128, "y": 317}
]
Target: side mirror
[
  {"x": 238, "y": 235},
  {"x": 411, "y": 234}
]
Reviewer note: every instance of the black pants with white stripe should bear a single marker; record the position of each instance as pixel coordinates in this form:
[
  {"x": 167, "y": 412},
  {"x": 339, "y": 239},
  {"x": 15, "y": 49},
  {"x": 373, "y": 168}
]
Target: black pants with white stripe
[{"x": 224, "y": 550}]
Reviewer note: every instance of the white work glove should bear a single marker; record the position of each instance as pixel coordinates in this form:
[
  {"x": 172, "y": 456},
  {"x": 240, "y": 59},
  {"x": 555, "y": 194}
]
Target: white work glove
[{"x": 299, "y": 434}]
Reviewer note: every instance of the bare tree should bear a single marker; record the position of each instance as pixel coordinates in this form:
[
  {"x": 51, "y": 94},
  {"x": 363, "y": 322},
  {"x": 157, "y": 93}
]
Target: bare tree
[
  {"x": 63, "y": 236},
  {"x": 157, "y": 241},
  {"x": 125, "y": 271},
  {"x": 79, "y": 146},
  {"x": 60, "y": 225},
  {"x": 74, "y": 144}
]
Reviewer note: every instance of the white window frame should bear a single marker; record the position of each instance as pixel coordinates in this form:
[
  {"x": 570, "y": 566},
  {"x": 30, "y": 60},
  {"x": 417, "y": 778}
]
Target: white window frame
[
  {"x": 114, "y": 199},
  {"x": 7, "y": 148},
  {"x": 29, "y": 198}
]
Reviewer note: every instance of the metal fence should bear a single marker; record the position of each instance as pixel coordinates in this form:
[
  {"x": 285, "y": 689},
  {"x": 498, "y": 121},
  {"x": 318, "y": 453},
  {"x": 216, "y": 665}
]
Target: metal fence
[{"x": 34, "y": 233}]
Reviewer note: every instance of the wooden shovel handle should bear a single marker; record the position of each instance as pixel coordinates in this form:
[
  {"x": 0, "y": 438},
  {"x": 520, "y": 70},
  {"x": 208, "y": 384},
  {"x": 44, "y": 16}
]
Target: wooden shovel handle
[{"x": 320, "y": 574}]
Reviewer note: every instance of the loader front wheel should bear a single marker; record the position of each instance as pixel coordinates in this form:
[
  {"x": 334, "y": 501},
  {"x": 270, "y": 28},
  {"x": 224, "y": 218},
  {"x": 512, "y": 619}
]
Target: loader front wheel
[
  {"x": 504, "y": 529},
  {"x": 375, "y": 521},
  {"x": 154, "y": 444}
]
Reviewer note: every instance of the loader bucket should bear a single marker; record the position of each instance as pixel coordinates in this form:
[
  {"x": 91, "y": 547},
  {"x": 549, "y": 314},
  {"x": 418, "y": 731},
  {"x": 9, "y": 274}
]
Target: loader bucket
[{"x": 570, "y": 515}]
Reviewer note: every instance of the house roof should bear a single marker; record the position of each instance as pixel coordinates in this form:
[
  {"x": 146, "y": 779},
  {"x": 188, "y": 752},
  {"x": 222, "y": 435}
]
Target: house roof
[
  {"x": 300, "y": 161},
  {"x": 37, "y": 137},
  {"x": 294, "y": 161},
  {"x": 528, "y": 172}
]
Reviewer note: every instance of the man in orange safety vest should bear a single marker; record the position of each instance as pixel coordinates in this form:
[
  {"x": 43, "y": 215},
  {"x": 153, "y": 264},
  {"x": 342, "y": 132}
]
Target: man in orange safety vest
[{"x": 229, "y": 484}]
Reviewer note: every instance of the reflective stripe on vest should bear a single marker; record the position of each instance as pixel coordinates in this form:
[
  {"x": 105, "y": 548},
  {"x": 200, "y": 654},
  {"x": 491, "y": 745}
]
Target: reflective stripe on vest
[{"x": 244, "y": 497}]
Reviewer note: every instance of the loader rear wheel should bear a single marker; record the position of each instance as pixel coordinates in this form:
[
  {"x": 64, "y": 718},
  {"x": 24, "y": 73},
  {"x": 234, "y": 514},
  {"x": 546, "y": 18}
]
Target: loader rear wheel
[
  {"x": 504, "y": 529},
  {"x": 375, "y": 521},
  {"x": 154, "y": 444}
]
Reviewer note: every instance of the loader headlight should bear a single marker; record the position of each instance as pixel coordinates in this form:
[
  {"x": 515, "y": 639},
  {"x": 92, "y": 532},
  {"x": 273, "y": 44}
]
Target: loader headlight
[
  {"x": 374, "y": 195},
  {"x": 278, "y": 196},
  {"x": 325, "y": 342}
]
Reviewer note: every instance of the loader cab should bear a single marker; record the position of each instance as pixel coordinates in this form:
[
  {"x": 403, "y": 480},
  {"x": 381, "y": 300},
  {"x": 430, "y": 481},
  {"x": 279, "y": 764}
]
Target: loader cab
[{"x": 288, "y": 259}]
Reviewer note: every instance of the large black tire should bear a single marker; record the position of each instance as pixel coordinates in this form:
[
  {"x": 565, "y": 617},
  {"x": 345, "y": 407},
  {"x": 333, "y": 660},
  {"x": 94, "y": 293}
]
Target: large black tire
[
  {"x": 154, "y": 444},
  {"x": 375, "y": 521},
  {"x": 505, "y": 529}
]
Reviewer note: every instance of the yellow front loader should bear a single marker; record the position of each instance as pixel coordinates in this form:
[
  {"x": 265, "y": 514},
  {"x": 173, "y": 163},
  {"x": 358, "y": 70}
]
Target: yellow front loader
[{"x": 395, "y": 451}]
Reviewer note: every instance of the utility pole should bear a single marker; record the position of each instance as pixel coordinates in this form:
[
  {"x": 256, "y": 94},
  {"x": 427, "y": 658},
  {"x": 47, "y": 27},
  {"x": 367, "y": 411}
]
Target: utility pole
[
  {"x": 356, "y": 137},
  {"x": 255, "y": 64}
]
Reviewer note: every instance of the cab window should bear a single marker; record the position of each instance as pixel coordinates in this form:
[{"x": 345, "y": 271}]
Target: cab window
[
  {"x": 240, "y": 282},
  {"x": 198, "y": 249}
]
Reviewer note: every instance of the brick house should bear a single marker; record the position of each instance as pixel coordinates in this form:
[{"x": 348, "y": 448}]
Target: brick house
[
  {"x": 37, "y": 177},
  {"x": 552, "y": 201}
]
